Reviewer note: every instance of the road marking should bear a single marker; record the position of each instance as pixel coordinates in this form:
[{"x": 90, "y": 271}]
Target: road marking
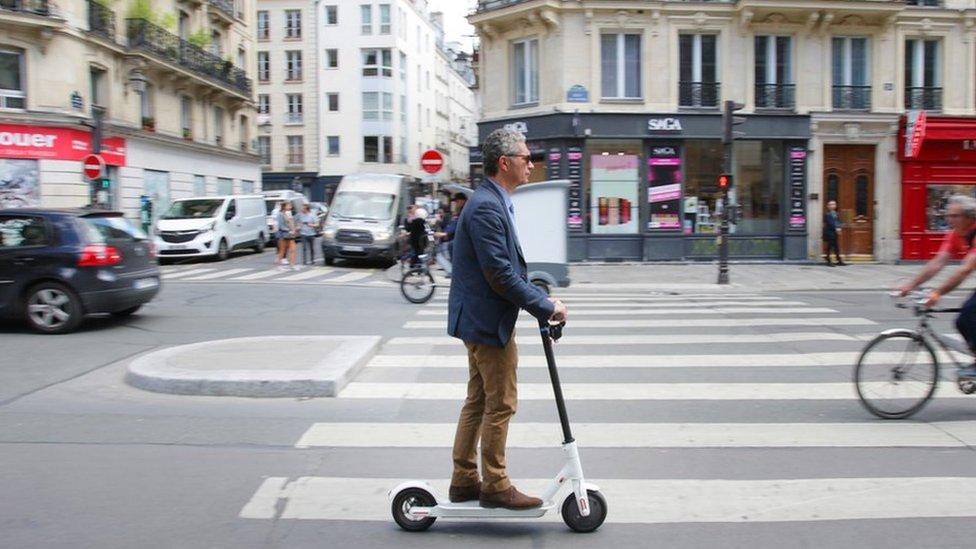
[
  {"x": 310, "y": 273},
  {"x": 646, "y": 501},
  {"x": 961, "y": 434},
  {"x": 258, "y": 275},
  {"x": 637, "y": 298},
  {"x": 632, "y": 391},
  {"x": 350, "y": 277},
  {"x": 683, "y": 311},
  {"x": 189, "y": 272},
  {"x": 676, "y": 323},
  {"x": 683, "y": 305},
  {"x": 219, "y": 274},
  {"x": 642, "y": 339}
]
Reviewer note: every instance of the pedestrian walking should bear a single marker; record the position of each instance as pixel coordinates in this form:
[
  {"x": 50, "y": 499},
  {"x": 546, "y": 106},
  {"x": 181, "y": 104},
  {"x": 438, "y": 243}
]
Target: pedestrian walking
[
  {"x": 287, "y": 232},
  {"x": 308, "y": 224},
  {"x": 831, "y": 233},
  {"x": 446, "y": 235},
  {"x": 489, "y": 287}
]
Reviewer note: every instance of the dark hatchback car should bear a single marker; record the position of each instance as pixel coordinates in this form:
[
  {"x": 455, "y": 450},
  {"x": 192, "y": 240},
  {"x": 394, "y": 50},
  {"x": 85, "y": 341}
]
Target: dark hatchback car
[{"x": 56, "y": 266}]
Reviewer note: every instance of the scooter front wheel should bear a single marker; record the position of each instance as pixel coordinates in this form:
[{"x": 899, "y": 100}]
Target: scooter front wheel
[
  {"x": 405, "y": 501},
  {"x": 576, "y": 521}
]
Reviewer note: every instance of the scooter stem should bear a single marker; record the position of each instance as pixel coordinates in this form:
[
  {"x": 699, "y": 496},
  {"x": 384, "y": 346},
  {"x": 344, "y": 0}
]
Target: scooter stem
[{"x": 557, "y": 388}]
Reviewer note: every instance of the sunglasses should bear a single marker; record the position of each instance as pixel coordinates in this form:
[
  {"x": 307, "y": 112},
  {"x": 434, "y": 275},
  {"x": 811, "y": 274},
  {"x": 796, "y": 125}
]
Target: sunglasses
[{"x": 525, "y": 157}]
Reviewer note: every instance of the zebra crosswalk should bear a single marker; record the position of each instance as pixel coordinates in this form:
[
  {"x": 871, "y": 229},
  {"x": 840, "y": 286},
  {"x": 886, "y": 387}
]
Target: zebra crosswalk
[
  {"x": 271, "y": 275},
  {"x": 664, "y": 393}
]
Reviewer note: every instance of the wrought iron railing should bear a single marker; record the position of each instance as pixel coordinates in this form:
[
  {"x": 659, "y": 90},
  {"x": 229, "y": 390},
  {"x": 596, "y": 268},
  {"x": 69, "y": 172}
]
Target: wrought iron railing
[
  {"x": 852, "y": 98},
  {"x": 167, "y": 46},
  {"x": 224, "y": 6},
  {"x": 36, "y": 7},
  {"x": 101, "y": 19},
  {"x": 926, "y": 3},
  {"x": 927, "y": 98},
  {"x": 488, "y": 5},
  {"x": 775, "y": 96},
  {"x": 698, "y": 94}
]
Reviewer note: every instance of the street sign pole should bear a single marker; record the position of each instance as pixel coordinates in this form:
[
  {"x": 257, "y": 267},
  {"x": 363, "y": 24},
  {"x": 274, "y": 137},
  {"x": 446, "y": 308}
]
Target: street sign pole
[
  {"x": 94, "y": 183},
  {"x": 728, "y": 136}
]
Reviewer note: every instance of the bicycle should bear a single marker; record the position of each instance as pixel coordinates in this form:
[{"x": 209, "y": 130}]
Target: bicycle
[
  {"x": 416, "y": 280},
  {"x": 898, "y": 371}
]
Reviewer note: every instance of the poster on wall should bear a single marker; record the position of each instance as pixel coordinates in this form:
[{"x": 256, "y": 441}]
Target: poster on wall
[
  {"x": 798, "y": 215},
  {"x": 20, "y": 185},
  {"x": 664, "y": 188},
  {"x": 613, "y": 193},
  {"x": 574, "y": 172}
]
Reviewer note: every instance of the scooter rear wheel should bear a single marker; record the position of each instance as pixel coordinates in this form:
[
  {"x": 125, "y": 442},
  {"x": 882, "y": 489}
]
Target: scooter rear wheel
[
  {"x": 576, "y": 521},
  {"x": 407, "y": 499}
]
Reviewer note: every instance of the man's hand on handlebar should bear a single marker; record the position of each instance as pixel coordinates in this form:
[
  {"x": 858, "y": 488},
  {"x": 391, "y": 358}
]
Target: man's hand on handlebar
[{"x": 560, "y": 312}]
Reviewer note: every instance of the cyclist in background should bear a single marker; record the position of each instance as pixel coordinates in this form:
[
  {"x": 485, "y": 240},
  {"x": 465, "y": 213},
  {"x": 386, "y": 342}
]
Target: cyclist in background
[{"x": 961, "y": 215}]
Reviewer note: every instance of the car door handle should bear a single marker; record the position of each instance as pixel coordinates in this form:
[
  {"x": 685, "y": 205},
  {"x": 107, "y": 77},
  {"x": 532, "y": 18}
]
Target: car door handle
[{"x": 23, "y": 260}]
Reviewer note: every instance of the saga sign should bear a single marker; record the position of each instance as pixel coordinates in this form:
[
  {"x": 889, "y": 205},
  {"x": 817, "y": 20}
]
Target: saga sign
[
  {"x": 664, "y": 125},
  {"x": 519, "y": 126}
]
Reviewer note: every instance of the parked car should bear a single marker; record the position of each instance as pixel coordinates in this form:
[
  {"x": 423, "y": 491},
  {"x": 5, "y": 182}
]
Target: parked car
[
  {"x": 362, "y": 222},
  {"x": 272, "y": 200},
  {"x": 211, "y": 226},
  {"x": 56, "y": 266}
]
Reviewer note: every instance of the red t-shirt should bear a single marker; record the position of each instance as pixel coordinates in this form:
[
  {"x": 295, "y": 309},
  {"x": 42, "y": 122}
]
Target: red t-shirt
[{"x": 957, "y": 244}]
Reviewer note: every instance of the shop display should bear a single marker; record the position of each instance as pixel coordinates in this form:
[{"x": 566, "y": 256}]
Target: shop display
[
  {"x": 613, "y": 180},
  {"x": 19, "y": 183},
  {"x": 798, "y": 216},
  {"x": 574, "y": 172},
  {"x": 664, "y": 188}
]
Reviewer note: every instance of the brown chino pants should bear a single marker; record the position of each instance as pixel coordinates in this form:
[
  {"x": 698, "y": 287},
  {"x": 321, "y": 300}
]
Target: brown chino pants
[{"x": 490, "y": 404}]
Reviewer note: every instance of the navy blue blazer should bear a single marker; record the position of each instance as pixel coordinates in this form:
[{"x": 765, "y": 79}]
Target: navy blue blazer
[{"x": 489, "y": 280}]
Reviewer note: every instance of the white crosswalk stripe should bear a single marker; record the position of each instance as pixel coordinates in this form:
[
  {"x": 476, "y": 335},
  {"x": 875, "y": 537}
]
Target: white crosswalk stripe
[
  {"x": 311, "y": 273},
  {"x": 218, "y": 274},
  {"x": 351, "y": 277},
  {"x": 258, "y": 275},
  {"x": 641, "y": 339},
  {"x": 183, "y": 273},
  {"x": 672, "y": 312},
  {"x": 677, "y": 323}
]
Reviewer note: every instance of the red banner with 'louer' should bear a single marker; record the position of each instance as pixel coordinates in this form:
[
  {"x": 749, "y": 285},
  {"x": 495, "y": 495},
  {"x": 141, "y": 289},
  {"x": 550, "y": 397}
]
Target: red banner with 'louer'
[{"x": 42, "y": 142}]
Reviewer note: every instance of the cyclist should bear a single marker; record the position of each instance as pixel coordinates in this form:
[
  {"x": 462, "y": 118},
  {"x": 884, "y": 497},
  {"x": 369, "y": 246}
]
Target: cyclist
[{"x": 961, "y": 215}]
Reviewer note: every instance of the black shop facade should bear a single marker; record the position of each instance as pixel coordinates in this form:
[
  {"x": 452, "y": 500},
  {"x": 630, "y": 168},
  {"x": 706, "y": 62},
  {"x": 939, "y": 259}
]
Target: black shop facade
[{"x": 644, "y": 187}]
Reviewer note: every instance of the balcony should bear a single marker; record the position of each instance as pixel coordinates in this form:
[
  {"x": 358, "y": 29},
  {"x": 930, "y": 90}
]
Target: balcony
[
  {"x": 923, "y": 98},
  {"x": 698, "y": 94},
  {"x": 33, "y": 7},
  {"x": 31, "y": 15},
  {"x": 775, "y": 96},
  {"x": 169, "y": 48},
  {"x": 101, "y": 20},
  {"x": 852, "y": 98},
  {"x": 223, "y": 9},
  {"x": 925, "y": 3}
]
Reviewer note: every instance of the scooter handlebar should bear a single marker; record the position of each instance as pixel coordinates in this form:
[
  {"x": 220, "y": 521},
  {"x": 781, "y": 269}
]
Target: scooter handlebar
[{"x": 553, "y": 330}]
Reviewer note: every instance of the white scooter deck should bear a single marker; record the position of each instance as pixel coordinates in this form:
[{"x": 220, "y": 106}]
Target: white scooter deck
[{"x": 472, "y": 509}]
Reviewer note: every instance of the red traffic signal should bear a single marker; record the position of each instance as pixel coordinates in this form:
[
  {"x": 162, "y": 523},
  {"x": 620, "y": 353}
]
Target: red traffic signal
[{"x": 724, "y": 180}]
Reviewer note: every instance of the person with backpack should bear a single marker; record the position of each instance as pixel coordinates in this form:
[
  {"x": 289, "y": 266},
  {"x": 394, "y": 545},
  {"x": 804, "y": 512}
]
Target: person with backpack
[{"x": 961, "y": 216}]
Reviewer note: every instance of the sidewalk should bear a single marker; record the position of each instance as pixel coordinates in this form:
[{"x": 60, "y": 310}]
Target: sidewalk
[{"x": 744, "y": 277}]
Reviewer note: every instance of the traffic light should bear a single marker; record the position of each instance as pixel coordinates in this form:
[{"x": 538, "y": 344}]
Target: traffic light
[
  {"x": 724, "y": 181},
  {"x": 728, "y": 121},
  {"x": 104, "y": 183}
]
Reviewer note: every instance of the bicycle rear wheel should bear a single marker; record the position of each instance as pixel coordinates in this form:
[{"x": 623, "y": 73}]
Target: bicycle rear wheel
[
  {"x": 417, "y": 285},
  {"x": 896, "y": 375}
]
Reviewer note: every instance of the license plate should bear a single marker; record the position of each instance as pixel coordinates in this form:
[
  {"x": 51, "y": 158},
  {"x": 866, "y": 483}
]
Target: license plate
[
  {"x": 178, "y": 246},
  {"x": 353, "y": 249},
  {"x": 144, "y": 283}
]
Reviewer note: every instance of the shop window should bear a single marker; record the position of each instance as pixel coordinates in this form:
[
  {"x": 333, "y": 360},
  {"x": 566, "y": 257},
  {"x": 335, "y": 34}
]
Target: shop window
[
  {"x": 612, "y": 181},
  {"x": 937, "y": 200},
  {"x": 833, "y": 188},
  {"x": 20, "y": 185},
  {"x": 664, "y": 178},
  {"x": 861, "y": 196},
  {"x": 759, "y": 184},
  {"x": 702, "y": 198}
]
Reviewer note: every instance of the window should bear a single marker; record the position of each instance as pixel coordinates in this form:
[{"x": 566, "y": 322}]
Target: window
[
  {"x": 293, "y": 24},
  {"x": 759, "y": 172},
  {"x": 294, "y": 101},
  {"x": 333, "y": 145},
  {"x": 403, "y": 67},
  {"x": 218, "y": 125},
  {"x": 293, "y": 65},
  {"x": 377, "y": 61},
  {"x": 264, "y": 149},
  {"x": 244, "y": 132},
  {"x": 332, "y": 15},
  {"x": 366, "y": 14},
  {"x": 402, "y": 157},
  {"x": 377, "y": 106},
  {"x": 98, "y": 93},
  {"x": 216, "y": 43},
  {"x": 18, "y": 231},
  {"x": 332, "y": 59},
  {"x": 186, "y": 116},
  {"x": 525, "y": 75},
  {"x": 147, "y": 107},
  {"x": 241, "y": 57},
  {"x": 387, "y": 106},
  {"x": 199, "y": 185},
  {"x": 403, "y": 112},
  {"x": 923, "y": 79},
  {"x": 264, "y": 104},
  {"x": 697, "y": 82},
  {"x": 378, "y": 149},
  {"x": 850, "y": 73},
  {"x": 938, "y": 202},
  {"x": 620, "y": 60},
  {"x": 774, "y": 72},
  {"x": 247, "y": 187},
  {"x": 427, "y": 74},
  {"x": 419, "y": 82},
  {"x": 264, "y": 66},
  {"x": 225, "y": 186},
  {"x": 384, "y": 19},
  {"x": 333, "y": 101},
  {"x": 264, "y": 28},
  {"x": 296, "y": 151},
  {"x": 613, "y": 180}
]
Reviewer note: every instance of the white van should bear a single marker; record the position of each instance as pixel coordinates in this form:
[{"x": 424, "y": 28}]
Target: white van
[
  {"x": 364, "y": 217},
  {"x": 272, "y": 199},
  {"x": 211, "y": 226}
]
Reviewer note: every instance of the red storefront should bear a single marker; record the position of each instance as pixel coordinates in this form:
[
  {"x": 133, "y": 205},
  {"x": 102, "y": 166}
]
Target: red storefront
[{"x": 944, "y": 164}]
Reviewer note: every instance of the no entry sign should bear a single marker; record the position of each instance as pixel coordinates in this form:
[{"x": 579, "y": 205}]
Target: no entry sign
[
  {"x": 431, "y": 161},
  {"x": 94, "y": 166}
]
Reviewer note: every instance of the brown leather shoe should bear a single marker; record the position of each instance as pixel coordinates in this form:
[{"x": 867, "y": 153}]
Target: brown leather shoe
[
  {"x": 509, "y": 499},
  {"x": 460, "y": 494}
]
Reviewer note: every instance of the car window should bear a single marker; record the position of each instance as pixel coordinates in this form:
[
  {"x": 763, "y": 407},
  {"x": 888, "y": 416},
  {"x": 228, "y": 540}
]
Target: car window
[
  {"x": 232, "y": 209},
  {"x": 106, "y": 229},
  {"x": 19, "y": 231}
]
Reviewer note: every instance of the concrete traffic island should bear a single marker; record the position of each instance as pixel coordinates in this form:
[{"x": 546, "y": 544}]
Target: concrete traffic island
[{"x": 270, "y": 366}]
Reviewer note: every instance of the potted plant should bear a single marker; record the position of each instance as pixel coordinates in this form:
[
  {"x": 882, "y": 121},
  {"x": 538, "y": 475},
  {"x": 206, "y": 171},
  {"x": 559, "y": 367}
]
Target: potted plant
[
  {"x": 187, "y": 134},
  {"x": 149, "y": 123}
]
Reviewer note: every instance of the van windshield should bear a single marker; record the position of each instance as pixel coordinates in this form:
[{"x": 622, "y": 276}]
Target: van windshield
[
  {"x": 190, "y": 209},
  {"x": 363, "y": 205}
]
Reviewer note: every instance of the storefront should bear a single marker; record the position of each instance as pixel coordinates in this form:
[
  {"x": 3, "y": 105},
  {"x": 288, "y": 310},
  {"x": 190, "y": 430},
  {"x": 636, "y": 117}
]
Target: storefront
[
  {"x": 644, "y": 187},
  {"x": 943, "y": 164}
]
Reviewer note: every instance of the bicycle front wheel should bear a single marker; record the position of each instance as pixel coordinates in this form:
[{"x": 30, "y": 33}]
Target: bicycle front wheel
[
  {"x": 417, "y": 285},
  {"x": 896, "y": 375}
]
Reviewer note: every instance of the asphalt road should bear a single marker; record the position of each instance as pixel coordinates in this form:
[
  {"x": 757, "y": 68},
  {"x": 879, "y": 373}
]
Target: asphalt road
[{"x": 86, "y": 461}]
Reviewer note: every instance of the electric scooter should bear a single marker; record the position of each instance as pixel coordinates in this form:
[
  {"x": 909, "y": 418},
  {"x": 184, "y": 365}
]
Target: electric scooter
[{"x": 416, "y": 505}]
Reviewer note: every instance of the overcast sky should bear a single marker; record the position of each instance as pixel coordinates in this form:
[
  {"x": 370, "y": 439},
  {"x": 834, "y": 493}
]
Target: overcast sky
[{"x": 456, "y": 27}]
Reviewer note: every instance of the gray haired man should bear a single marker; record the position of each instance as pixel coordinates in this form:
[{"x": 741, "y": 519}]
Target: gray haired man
[{"x": 961, "y": 215}]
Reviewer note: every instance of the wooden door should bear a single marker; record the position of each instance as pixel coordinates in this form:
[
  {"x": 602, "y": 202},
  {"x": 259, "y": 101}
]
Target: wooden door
[{"x": 849, "y": 180}]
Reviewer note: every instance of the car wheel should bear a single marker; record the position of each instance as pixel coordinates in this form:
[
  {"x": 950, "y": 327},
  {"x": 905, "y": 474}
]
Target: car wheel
[
  {"x": 52, "y": 308},
  {"x": 127, "y": 312},
  {"x": 259, "y": 247},
  {"x": 222, "y": 250},
  {"x": 330, "y": 261}
]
